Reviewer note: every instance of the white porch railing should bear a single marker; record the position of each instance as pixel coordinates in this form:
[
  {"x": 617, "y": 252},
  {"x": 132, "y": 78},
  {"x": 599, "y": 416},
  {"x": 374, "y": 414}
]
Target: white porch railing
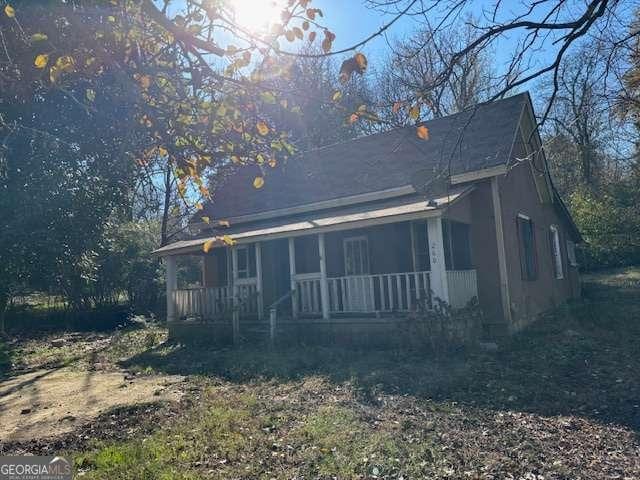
[
  {"x": 385, "y": 293},
  {"x": 393, "y": 292},
  {"x": 214, "y": 302},
  {"x": 308, "y": 293},
  {"x": 463, "y": 286}
]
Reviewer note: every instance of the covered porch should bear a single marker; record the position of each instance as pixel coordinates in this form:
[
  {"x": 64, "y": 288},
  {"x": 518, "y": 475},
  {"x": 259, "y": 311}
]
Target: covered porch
[{"x": 378, "y": 268}]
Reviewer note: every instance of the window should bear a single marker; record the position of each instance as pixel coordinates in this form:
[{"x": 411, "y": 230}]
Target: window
[
  {"x": 356, "y": 256},
  {"x": 457, "y": 245},
  {"x": 571, "y": 253},
  {"x": 527, "y": 240},
  {"x": 556, "y": 254},
  {"x": 246, "y": 261}
]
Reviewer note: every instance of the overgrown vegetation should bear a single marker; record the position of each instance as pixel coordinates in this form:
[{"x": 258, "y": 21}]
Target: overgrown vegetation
[{"x": 558, "y": 401}]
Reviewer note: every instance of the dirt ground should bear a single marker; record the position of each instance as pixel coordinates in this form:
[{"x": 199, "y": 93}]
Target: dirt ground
[{"x": 48, "y": 403}]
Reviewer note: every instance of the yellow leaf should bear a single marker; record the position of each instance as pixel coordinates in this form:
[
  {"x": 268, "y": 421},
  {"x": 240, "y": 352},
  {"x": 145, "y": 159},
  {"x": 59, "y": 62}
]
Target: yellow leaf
[
  {"x": 337, "y": 95},
  {"x": 222, "y": 111},
  {"x": 199, "y": 206},
  {"x": 9, "y": 11},
  {"x": 208, "y": 245},
  {"x": 228, "y": 240},
  {"x": 38, "y": 37},
  {"x": 258, "y": 182},
  {"x": 162, "y": 151},
  {"x": 41, "y": 60},
  {"x": 414, "y": 113},
  {"x": 145, "y": 81},
  {"x": 272, "y": 162},
  {"x": 91, "y": 94},
  {"x": 224, "y": 223},
  {"x": 204, "y": 191},
  {"x": 262, "y": 127},
  {"x": 268, "y": 97},
  {"x": 111, "y": 18},
  {"x": 65, "y": 63},
  {"x": 422, "y": 132},
  {"x": 206, "y": 220}
]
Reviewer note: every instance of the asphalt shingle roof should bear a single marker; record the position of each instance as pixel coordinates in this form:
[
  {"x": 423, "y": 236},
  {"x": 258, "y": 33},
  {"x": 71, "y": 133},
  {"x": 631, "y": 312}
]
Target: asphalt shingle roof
[{"x": 478, "y": 138}]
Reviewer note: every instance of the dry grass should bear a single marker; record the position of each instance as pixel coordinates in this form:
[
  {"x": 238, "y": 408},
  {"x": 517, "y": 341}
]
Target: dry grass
[{"x": 559, "y": 401}]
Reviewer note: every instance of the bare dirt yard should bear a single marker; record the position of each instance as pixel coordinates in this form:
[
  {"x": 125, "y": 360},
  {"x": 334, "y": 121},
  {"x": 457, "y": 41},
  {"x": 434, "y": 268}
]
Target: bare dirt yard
[
  {"x": 49, "y": 403},
  {"x": 559, "y": 401}
]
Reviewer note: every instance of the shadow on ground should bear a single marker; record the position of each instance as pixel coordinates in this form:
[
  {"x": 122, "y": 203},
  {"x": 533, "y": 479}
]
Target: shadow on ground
[{"x": 581, "y": 360}]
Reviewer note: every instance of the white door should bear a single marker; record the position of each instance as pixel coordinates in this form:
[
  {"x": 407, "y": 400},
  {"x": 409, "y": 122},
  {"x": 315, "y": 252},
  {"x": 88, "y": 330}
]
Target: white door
[{"x": 358, "y": 295}]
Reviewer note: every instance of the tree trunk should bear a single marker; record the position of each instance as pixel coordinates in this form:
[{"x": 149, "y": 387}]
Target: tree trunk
[
  {"x": 164, "y": 236},
  {"x": 4, "y": 302}
]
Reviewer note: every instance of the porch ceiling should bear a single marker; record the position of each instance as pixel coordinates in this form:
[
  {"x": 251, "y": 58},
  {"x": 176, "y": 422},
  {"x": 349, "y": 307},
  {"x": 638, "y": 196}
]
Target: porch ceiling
[{"x": 356, "y": 216}]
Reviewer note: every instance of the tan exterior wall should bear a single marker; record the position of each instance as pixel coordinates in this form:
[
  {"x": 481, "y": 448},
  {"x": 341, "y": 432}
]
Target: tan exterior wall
[{"x": 529, "y": 298}]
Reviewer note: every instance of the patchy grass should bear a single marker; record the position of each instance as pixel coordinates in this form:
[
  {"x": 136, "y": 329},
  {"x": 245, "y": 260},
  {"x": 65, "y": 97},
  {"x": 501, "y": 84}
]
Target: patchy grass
[
  {"x": 101, "y": 351},
  {"x": 618, "y": 277},
  {"x": 559, "y": 401}
]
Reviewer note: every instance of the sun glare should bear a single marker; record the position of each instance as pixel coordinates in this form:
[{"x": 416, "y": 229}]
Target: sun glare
[{"x": 257, "y": 15}]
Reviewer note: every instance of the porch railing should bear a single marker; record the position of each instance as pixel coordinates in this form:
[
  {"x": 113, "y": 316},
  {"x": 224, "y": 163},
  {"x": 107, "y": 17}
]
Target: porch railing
[
  {"x": 463, "y": 286},
  {"x": 392, "y": 292},
  {"x": 385, "y": 293},
  {"x": 214, "y": 302},
  {"x": 308, "y": 293}
]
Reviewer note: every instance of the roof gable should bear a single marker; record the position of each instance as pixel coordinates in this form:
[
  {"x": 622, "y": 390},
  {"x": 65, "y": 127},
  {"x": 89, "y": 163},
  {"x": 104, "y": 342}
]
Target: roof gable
[{"x": 472, "y": 140}]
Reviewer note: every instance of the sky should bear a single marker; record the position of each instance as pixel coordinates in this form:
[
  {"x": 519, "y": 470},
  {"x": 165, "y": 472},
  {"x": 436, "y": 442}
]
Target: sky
[{"x": 352, "y": 21}]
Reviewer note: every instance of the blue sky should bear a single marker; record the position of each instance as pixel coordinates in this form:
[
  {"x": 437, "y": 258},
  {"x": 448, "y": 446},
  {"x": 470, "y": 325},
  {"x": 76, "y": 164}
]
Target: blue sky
[{"x": 352, "y": 21}]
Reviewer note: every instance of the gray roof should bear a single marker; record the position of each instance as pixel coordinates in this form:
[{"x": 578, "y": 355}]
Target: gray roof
[{"x": 472, "y": 140}]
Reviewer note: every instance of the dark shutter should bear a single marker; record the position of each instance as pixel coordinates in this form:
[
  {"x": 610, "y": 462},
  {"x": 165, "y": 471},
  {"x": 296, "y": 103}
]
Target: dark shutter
[{"x": 528, "y": 256}]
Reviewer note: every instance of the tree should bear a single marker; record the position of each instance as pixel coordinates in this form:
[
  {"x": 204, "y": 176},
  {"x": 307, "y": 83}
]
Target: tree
[
  {"x": 542, "y": 35},
  {"x": 415, "y": 65},
  {"x": 582, "y": 127},
  {"x": 325, "y": 103}
]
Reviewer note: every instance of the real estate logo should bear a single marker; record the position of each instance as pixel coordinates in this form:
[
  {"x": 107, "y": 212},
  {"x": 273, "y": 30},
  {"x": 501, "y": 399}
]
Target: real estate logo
[{"x": 35, "y": 468}]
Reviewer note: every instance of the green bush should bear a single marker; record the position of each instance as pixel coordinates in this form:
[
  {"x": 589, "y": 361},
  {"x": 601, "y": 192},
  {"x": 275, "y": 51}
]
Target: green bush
[{"x": 610, "y": 225}]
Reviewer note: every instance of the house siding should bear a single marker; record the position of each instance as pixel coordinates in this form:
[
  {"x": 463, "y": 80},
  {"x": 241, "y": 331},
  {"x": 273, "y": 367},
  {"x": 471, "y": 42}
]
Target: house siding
[
  {"x": 529, "y": 298},
  {"x": 485, "y": 254}
]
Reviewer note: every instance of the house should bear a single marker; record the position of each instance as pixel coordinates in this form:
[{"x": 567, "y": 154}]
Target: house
[{"x": 376, "y": 226}]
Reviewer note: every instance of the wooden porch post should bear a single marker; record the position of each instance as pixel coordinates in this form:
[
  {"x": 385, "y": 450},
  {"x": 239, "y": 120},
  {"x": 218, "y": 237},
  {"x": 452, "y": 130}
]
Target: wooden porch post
[
  {"x": 260, "y": 299},
  {"x": 292, "y": 274},
  {"x": 324, "y": 284},
  {"x": 171, "y": 283},
  {"x": 438, "y": 274},
  {"x": 236, "y": 292},
  {"x": 502, "y": 255}
]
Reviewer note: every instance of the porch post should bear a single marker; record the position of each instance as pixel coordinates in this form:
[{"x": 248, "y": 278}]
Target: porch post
[
  {"x": 324, "y": 285},
  {"x": 502, "y": 255},
  {"x": 171, "y": 283},
  {"x": 236, "y": 291},
  {"x": 292, "y": 275},
  {"x": 438, "y": 274},
  {"x": 260, "y": 300}
]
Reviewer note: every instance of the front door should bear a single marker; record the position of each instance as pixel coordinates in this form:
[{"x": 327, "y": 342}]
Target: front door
[{"x": 359, "y": 293}]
